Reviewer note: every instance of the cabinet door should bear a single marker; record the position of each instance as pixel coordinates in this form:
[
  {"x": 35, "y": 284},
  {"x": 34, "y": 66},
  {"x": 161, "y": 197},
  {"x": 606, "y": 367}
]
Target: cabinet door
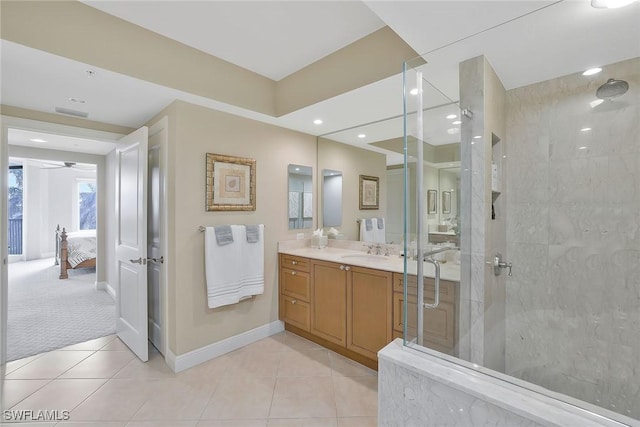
[
  {"x": 369, "y": 310},
  {"x": 329, "y": 301}
]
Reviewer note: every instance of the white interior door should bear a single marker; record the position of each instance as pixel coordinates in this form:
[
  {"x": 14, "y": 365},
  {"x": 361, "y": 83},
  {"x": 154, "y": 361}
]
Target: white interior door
[{"x": 131, "y": 241}]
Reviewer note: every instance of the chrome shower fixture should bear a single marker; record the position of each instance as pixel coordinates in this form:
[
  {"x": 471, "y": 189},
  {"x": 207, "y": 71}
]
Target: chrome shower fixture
[{"x": 612, "y": 89}]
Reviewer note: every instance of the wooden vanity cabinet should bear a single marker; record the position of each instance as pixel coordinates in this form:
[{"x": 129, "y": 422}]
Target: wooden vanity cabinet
[
  {"x": 369, "y": 310},
  {"x": 439, "y": 324},
  {"x": 329, "y": 296},
  {"x": 345, "y": 308},
  {"x": 295, "y": 291}
]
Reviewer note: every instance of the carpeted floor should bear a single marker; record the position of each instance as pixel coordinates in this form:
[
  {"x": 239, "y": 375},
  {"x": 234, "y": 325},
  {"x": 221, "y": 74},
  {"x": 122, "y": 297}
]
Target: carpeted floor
[{"x": 46, "y": 313}]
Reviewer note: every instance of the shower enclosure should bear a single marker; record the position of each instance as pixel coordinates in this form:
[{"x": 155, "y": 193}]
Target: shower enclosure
[{"x": 547, "y": 223}]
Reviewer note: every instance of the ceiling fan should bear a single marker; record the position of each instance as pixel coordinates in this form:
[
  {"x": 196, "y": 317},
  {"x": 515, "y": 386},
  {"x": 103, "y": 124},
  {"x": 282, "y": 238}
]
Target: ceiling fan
[{"x": 69, "y": 165}]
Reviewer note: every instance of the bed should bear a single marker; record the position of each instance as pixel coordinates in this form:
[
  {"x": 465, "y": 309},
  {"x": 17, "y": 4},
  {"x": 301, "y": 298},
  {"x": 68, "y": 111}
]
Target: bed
[{"x": 75, "y": 249}]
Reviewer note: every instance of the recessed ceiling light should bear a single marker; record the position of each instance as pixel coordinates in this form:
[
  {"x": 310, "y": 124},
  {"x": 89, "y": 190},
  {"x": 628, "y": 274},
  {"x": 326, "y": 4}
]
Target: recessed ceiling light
[
  {"x": 610, "y": 4},
  {"x": 582, "y": 148},
  {"x": 362, "y": 135},
  {"x": 78, "y": 100},
  {"x": 585, "y": 129},
  {"x": 414, "y": 91},
  {"x": 91, "y": 73},
  {"x": 453, "y": 131},
  {"x": 317, "y": 122},
  {"x": 38, "y": 140},
  {"x": 457, "y": 122},
  {"x": 477, "y": 137},
  {"x": 451, "y": 116},
  {"x": 592, "y": 71}
]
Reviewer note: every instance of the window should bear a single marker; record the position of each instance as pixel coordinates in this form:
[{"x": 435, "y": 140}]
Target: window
[
  {"x": 87, "y": 205},
  {"x": 15, "y": 209}
]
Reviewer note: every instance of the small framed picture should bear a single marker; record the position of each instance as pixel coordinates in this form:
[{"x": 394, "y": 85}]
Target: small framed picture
[
  {"x": 231, "y": 183},
  {"x": 369, "y": 192},
  {"x": 432, "y": 201}
]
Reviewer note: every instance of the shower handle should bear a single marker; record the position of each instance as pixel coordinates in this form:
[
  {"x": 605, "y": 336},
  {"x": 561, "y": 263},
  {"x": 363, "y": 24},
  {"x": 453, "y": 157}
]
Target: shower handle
[{"x": 499, "y": 264}]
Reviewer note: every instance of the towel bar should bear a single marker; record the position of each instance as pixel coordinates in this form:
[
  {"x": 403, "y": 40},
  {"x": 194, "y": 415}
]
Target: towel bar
[{"x": 202, "y": 228}]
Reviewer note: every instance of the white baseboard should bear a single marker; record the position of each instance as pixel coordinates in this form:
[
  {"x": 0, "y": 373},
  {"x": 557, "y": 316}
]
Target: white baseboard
[
  {"x": 104, "y": 286},
  {"x": 203, "y": 354}
]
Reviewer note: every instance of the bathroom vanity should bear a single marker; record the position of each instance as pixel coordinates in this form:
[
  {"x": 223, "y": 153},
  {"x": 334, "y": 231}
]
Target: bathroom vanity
[{"x": 352, "y": 302}]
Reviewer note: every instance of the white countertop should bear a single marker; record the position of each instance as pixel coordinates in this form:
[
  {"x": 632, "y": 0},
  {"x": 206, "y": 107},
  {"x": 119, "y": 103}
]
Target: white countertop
[{"x": 448, "y": 270}]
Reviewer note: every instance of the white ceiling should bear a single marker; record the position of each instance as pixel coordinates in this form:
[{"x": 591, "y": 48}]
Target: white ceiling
[
  {"x": 552, "y": 39},
  {"x": 58, "y": 142}
]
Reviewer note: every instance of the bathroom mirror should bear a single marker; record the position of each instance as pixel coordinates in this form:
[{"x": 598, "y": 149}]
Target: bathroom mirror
[
  {"x": 300, "y": 207},
  {"x": 331, "y": 198}
]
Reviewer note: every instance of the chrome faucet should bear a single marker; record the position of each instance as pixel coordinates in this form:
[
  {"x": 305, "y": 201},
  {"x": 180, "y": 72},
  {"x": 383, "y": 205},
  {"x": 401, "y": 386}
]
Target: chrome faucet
[
  {"x": 369, "y": 248},
  {"x": 378, "y": 249}
]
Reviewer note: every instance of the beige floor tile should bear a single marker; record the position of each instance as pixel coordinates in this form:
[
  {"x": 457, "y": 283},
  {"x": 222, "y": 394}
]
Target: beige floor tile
[
  {"x": 273, "y": 343},
  {"x": 296, "y": 342},
  {"x": 50, "y": 365},
  {"x": 175, "y": 399},
  {"x": 253, "y": 364},
  {"x": 156, "y": 367},
  {"x": 305, "y": 363},
  {"x": 356, "y": 396},
  {"x": 209, "y": 371},
  {"x": 115, "y": 400},
  {"x": 303, "y": 422},
  {"x": 303, "y": 397},
  {"x": 61, "y": 395},
  {"x": 342, "y": 366},
  {"x": 101, "y": 364},
  {"x": 13, "y": 391},
  {"x": 241, "y": 398},
  {"x": 174, "y": 423},
  {"x": 358, "y": 422},
  {"x": 232, "y": 423},
  {"x": 115, "y": 345},
  {"x": 16, "y": 364},
  {"x": 96, "y": 344}
]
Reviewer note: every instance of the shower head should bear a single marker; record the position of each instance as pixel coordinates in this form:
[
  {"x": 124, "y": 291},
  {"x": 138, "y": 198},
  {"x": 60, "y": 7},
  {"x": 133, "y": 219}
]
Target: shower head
[{"x": 612, "y": 89}]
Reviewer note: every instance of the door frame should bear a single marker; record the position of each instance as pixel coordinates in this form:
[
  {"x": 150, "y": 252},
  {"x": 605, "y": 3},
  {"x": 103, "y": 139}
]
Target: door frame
[{"x": 11, "y": 122}]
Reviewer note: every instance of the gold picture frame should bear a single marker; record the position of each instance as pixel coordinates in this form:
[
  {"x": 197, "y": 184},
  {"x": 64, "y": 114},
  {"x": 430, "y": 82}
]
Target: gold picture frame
[
  {"x": 369, "y": 192},
  {"x": 231, "y": 183}
]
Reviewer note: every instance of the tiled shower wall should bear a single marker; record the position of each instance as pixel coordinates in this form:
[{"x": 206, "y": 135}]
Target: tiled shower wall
[{"x": 573, "y": 233}]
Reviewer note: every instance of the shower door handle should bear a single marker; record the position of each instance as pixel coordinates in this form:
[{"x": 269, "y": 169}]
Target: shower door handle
[
  {"x": 499, "y": 264},
  {"x": 436, "y": 297}
]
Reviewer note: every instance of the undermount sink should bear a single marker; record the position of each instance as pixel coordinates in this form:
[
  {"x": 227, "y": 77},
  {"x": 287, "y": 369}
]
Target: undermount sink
[{"x": 365, "y": 257}]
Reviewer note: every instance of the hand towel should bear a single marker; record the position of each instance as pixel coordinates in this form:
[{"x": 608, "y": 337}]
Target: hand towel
[
  {"x": 380, "y": 223},
  {"x": 253, "y": 233},
  {"x": 374, "y": 234},
  {"x": 234, "y": 271},
  {"x": 369, "y": 224},
  {"x": 224, "y": 235}
]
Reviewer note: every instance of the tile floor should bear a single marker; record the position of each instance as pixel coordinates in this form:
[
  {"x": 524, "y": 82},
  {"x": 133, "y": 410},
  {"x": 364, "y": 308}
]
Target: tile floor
[{"x": 282, "y": 381}]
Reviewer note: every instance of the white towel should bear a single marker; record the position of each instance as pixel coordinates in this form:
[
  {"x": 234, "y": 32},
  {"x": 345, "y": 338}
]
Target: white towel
[
  {"x": 375, "y": 235},
  {"x": 234, "y": 271}
]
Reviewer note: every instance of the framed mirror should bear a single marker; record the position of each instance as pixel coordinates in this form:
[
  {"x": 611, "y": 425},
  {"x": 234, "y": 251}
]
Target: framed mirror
[
  {"x": 446, "y": 202},
  {"x": 300, "y": 200},
  {"x": 432, "y": 201},
  {"x": 331, "y": 198}
]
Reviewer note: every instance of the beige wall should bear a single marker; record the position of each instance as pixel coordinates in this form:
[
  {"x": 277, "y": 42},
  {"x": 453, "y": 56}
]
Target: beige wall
[
  {"x": 195, "y": 131},
  {"x": 353, "y": 162}
]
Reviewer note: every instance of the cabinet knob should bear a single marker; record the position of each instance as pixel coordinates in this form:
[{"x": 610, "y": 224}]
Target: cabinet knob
[
  {"x": 342, "y": 267},
  {"x": 293, "y": 273},
  {"x": 293, "y": 301},
  {"x": 294, "y": 262},
  {"x": 347, "y": 268}
]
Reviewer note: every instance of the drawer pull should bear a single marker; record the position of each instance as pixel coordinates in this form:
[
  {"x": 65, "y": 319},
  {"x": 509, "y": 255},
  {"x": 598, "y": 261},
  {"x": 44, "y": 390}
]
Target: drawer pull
[
  {"x": 294, "y": 262},
  {"x": 293, "y": 273},
  {"x": 293, "y": 301}
]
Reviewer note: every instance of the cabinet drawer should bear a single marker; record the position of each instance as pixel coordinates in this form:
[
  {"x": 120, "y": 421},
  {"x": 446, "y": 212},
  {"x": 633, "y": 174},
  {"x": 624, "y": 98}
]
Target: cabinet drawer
[
  {"x": 295, "y": 284},
  {"x": 294, "y": 262},
  {"x": 295, "y": 312},
  {"x": 447, "y": 289}
]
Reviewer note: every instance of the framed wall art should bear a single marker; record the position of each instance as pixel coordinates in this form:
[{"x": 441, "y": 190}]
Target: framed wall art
[
  {"x": 369, "y": 192},
  {"x": 231, "y": 183}
]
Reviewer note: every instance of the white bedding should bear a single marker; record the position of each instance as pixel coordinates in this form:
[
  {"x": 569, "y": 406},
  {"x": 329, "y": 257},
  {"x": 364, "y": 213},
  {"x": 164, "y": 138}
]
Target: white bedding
[{"x": 81, "y": 246}]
